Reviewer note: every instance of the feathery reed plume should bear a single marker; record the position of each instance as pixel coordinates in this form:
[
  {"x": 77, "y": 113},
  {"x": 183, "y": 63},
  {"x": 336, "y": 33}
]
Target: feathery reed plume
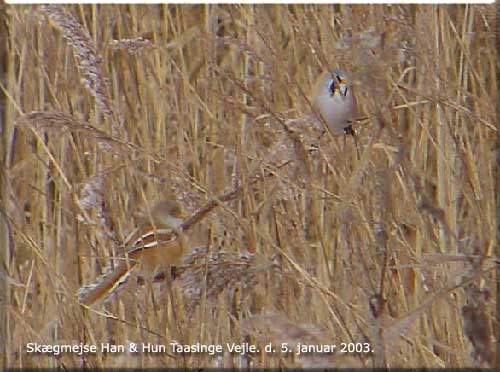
[
  {"x": 89, "y": 62},
  {"x": 298, "y": 337},
  {"x": 212, "y": 273},
  {"x": 55, "y": 120},
  {"x": 279, "y": 329}
]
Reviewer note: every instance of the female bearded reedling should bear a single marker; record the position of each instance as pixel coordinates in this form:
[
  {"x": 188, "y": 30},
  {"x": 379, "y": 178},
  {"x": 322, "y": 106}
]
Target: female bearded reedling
[{"x": 151, "y": 247}]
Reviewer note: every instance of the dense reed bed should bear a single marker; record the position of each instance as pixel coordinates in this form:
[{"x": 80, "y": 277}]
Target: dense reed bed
[{"x": 387, "y": 239}]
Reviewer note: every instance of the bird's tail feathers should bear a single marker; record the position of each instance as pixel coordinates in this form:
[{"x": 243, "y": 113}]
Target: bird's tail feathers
[{"x": 107, "y": 284}]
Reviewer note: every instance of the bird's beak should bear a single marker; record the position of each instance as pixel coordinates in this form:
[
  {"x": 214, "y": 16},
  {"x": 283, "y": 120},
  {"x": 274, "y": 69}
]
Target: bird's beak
[{"x": 343, "y": 89}]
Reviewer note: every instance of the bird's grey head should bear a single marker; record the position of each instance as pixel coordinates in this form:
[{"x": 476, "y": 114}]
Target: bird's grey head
[{"x": 337, "y": 83}]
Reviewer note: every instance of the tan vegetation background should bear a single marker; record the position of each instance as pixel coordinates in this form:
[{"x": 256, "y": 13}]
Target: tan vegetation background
[{"x": 136, "y": 103}]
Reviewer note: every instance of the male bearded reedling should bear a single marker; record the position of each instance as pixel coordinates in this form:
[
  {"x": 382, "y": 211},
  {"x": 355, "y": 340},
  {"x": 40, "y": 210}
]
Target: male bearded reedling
[
  {"x": 334, "y": 100},
  {"x": 152, "y": 246}
]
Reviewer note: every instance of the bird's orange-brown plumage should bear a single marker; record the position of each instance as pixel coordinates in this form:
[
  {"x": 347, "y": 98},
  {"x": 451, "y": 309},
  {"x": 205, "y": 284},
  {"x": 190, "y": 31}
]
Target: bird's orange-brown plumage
[{"x": 152, "y": 246}]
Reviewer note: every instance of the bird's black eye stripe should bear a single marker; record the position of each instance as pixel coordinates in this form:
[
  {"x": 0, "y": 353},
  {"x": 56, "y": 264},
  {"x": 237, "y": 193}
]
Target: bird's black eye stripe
[{"x": 332, "y": 87}]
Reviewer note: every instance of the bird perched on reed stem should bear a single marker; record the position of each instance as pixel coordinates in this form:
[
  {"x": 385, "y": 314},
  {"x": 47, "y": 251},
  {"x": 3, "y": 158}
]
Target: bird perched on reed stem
[
  {"x": 152, "y": 246},
  {"x": 334, "y": 100}
]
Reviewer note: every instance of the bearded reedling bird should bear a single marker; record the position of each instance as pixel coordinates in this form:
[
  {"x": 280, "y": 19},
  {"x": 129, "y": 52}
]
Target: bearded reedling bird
[
  {"x": 152, "y": 246},
  {"x": 333, "y": 98}
]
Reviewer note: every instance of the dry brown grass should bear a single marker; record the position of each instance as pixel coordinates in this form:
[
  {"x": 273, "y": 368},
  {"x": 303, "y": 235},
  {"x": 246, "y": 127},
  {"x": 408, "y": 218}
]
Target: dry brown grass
[{"x": 108, "y": 108}]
